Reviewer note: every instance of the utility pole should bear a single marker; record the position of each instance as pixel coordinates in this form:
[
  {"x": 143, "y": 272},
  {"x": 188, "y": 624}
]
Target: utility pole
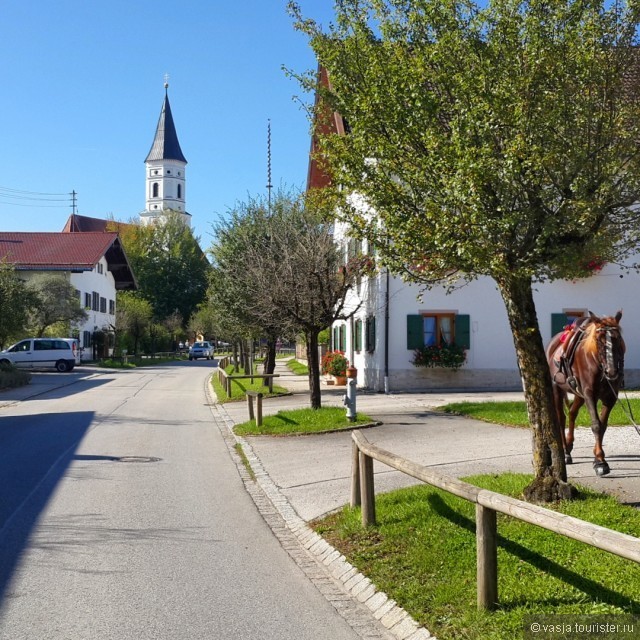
[{"x": 269, "y": 185}]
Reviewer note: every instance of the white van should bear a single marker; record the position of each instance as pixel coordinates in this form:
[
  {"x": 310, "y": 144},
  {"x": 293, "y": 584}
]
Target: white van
[{"x": 61, "y": 354}]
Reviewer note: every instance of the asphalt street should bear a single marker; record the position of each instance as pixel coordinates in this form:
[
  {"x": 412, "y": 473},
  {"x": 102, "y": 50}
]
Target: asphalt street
[{"x": 124, "y": 516}]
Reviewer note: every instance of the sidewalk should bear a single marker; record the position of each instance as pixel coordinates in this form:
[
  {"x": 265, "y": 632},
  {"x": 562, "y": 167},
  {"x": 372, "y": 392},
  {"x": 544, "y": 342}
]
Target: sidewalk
[{"x": 313, "y": 472}]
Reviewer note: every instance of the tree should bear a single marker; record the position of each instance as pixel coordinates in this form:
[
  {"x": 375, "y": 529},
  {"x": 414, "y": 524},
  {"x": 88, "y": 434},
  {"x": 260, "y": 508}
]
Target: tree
[
  {"x": 170, "y": 267},
  {"x": 289, "y": 271},
  {"x": 16, "y": 301},
  {"x": 56, "y": 301},
  {"x": 497, "y": 141},
  {"x": 133, "y": 316}
]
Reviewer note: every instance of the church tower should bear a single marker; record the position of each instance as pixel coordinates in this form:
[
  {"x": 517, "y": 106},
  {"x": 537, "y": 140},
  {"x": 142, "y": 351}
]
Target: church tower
[{"x": 165, "y": 170}]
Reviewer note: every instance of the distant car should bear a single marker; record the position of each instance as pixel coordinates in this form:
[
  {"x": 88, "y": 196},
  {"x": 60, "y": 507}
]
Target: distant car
[
  {"x": 61, "y": 354},
  {"x": 201, "y": 350}
]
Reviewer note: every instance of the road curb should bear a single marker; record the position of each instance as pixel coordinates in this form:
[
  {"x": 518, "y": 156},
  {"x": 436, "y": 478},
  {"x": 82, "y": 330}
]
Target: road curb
[{"x": 370, "y": 612}]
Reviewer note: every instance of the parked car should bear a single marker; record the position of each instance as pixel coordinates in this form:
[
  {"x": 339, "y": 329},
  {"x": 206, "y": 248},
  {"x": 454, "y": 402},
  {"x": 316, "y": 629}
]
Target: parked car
[
  {"x": 61, "y": 354},
  {"x": 201, "y": 350}
]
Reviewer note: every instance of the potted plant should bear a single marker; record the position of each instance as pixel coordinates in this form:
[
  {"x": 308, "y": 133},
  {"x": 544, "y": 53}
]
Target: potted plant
[{"x": 335, "y": 363}]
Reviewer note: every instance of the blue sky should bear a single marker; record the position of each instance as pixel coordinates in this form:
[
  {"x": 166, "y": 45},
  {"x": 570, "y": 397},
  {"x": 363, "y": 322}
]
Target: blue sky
[{"x": 83, "y": 88}]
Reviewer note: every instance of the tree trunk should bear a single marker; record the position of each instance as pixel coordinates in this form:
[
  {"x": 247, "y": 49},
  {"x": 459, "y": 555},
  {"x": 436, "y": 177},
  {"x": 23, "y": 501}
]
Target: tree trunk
[
  {"x": 314, "y": 370},
  {"x": 235, "y": 357},
  {"x": 550, "y": 482},
  {"x": 270, "y": 359}
]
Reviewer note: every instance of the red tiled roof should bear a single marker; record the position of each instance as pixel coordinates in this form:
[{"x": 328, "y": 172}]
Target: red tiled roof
[
  {"x": 77, "y": 223},
  {"x": 66, "y": 252}
]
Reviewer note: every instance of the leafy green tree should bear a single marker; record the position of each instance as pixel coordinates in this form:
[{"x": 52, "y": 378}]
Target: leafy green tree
[
  {"x": 169, "y": 265},
  {"x": 56, "y": 302},
  {"x": 497, "y": 140},
  {"x": 16, "y": 301},
  {"x": 133, "y": 317}
]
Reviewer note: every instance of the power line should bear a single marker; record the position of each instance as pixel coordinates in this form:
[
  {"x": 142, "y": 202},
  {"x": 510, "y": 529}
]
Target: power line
[{"x": 34, "y": 199}]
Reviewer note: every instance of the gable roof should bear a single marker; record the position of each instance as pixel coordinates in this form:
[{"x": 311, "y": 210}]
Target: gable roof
[
  {"x": 75, "y": 252},
  {"x": 165, "y": 144},
  {"x": 81, "y": 224}
]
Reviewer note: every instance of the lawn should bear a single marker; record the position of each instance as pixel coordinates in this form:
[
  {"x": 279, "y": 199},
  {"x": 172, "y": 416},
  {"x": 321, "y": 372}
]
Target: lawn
[
  {"x": 422, "y": 554},
  {"x": 515, "y": 413},
  {"x": 302, "y": 421},
  {"x": 239, "y": 388}
]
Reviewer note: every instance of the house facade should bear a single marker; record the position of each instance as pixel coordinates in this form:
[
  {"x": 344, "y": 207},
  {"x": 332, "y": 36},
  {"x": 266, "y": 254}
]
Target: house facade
[
  {"x": 392, "y": 319},
  {"x": 95, "y": 264}
]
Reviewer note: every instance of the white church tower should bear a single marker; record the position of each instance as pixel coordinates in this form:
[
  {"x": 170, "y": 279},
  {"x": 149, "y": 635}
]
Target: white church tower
[{"x": 165, "y": 170}]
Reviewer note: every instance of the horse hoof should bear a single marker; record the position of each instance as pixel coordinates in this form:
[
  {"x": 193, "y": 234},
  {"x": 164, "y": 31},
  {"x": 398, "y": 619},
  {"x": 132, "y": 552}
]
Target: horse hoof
[
  {"x": 568, "y": 459},
  {"x": 602, "y": 468}
]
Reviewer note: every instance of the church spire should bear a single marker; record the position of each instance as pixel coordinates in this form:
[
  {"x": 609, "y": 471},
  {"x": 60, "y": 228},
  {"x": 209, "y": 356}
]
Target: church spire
[{"x": 165, "y": 169}]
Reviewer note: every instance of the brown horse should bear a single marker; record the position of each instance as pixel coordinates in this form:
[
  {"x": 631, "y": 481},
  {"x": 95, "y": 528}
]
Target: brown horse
[{"x": 595, "y": 373}]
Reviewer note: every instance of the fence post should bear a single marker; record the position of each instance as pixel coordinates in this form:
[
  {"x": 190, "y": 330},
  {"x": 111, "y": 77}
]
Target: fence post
[
  {"x": 250, "y": 406},
  {"x": 228, "y": 381},
  {"x": 355, "y": 475},
  {"x": 367, "y": 491},
  {"x": 486, "y": 557},
  {"x": 259, "y": 410}
]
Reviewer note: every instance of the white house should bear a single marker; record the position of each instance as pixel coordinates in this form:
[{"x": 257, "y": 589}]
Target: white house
[
  {"x": 94, "y": 262},
  {"x": 394, "y": 318}
]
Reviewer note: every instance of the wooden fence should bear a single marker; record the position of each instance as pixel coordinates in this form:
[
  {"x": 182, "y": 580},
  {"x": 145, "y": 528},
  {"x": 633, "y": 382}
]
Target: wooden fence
[
  {"x": 488, "y": 503},
  {"x": 227, "y": 379}
]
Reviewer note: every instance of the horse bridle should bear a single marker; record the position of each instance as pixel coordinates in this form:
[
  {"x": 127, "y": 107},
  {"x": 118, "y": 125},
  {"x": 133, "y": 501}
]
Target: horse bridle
[{"x": 609, "y": 361}]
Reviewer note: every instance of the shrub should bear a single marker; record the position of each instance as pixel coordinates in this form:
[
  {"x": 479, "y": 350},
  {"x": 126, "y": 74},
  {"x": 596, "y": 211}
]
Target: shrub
[{"x": 12, "y": 377}]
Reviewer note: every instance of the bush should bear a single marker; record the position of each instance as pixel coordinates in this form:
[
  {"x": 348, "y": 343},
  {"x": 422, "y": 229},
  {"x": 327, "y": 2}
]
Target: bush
[{"x": 12, "y": 377}]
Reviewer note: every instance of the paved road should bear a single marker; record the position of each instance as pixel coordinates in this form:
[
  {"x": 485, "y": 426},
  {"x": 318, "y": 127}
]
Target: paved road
[{"x": 123, "y": 516}]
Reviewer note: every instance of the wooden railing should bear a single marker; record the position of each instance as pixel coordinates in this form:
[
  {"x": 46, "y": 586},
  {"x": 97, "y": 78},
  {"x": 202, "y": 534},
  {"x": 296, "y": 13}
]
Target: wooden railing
[
  {"x": 488, "y": 503},
  {"x": 226, "y": 379}
]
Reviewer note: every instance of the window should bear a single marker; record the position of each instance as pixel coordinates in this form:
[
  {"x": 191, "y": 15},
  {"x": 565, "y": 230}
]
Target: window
[
  {"x": 179, "y": 191},
  {"x": 154, "y": 190},
  {"x": 438, "y": 329},
  {"x": 95, "y": 301},
  {"x": 87, "y": 301},
  {"x": 86, "y": 338},
  {"x": 99, "y": 267},
  {"x": 112, "y": 307},
  {"x": 103, "y": 305}
]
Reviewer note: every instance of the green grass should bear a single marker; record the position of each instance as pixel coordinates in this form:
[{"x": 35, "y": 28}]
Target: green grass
[
  {"x": 297, "y": 367},
  {"x": 239, "y": 388},
  {"x": 515, "y": 413},
  {"x": 300, "y": 421},
  {"x": 422, "y": 554}
]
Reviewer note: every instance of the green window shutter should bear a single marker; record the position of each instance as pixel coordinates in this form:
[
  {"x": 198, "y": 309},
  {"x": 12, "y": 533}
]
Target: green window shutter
[
  {"x": 343, "y": 338},
  {"x": 357, "y": 336},
  {"x": 371, "y": 334},
  {"x": 463, "y": 331},
  {"x": 415, "y": 336},
  {"x": 558, "y": 322},
  {"x": 336, "y": 339}
]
